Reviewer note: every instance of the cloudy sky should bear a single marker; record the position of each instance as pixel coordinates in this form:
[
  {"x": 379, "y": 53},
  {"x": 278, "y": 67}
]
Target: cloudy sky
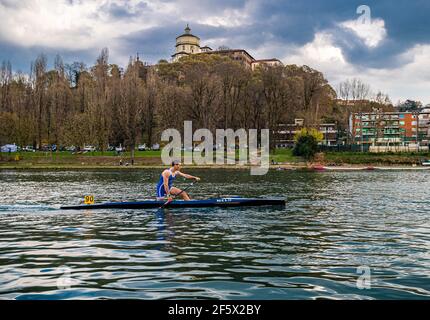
[{"x": 386, "y": 44}]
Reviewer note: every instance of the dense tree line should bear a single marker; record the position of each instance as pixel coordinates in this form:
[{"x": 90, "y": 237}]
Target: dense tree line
[{"x": 102, "y": 105}]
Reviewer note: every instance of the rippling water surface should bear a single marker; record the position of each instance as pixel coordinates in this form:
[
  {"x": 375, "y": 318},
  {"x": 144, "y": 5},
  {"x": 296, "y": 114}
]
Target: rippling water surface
[{"x": 337, "y": 228}]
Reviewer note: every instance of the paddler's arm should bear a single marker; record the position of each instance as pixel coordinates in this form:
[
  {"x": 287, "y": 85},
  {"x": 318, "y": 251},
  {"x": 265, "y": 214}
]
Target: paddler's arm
[{"x": 188, "y": 176}]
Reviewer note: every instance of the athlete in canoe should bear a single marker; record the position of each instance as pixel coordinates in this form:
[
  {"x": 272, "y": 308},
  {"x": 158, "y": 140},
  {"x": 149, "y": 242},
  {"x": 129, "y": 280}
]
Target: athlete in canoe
[{"x": 165, "y": 184}]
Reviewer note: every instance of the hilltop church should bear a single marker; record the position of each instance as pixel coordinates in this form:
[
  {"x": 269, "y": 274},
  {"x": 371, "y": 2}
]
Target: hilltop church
[{"x": 187, "y": 44}]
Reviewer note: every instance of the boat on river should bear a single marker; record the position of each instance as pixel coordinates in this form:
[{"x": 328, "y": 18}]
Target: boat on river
[{"x": 150, "y": 204}]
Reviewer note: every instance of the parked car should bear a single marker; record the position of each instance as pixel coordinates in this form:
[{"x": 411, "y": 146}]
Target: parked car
[
  {"x": 110, "y": 148},
  {"x": 28, "y": 149},
  {"x": 155, "y": 147},
  {"x": 426, "y": 162},
  {"x": 71, "y": 148},
  {"x": 141, "y": 147},
  {"x": 9, "y": 148},
  {"x": 120, "y": 149},
  {"x": 89, "y": 148}
]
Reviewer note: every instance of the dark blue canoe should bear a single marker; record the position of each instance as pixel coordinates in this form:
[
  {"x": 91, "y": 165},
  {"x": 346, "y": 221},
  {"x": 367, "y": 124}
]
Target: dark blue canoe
[{"x": 148, "y": 204}]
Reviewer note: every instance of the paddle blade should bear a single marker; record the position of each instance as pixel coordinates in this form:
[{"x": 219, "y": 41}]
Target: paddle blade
[{"x": 166, "y": 203}]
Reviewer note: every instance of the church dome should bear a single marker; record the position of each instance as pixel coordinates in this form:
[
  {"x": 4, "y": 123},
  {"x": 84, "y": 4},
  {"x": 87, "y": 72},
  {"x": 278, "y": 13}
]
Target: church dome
[
  {"x": 187, "y": 33},
  {"x": 186, "y": 44}
]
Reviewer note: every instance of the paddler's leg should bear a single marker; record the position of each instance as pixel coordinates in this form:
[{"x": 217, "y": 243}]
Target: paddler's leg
[{"x": 183, "y": 195}]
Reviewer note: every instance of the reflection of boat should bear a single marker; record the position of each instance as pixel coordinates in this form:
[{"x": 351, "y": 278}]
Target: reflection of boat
[
  {"x": 218, "y": 202},
  {"x": 344, "y": 168}
]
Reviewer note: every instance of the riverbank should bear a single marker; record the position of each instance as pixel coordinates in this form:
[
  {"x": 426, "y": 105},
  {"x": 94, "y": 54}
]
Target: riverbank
[
  {"x": 281, "y": 159},
  {"x": 278, "y": 167},
  {"x": 367, "y": 158}
]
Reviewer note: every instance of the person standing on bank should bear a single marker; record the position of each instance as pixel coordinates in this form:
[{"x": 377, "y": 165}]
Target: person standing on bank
[{"x": 165, "y": 184}]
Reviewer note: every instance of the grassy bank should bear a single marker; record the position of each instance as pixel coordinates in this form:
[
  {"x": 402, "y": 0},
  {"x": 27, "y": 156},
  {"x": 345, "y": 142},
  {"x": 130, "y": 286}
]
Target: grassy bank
[
  {"x": 354, "y": 158},
  {"x": 144, "y": 159},
  {"x": 107, "y": 160},
  {"x": 285, "y": 156},
  {"x": 366, "y": 158},
  {"x": 68, "y": 159}
]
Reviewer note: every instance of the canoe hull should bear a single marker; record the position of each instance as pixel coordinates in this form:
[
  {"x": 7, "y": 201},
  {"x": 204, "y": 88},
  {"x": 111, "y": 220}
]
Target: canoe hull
[{"x": 148, "y": 204}]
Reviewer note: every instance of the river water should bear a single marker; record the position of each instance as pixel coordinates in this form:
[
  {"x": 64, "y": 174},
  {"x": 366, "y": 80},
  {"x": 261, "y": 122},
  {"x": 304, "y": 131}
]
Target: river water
[{"x": 342, "y": 235}]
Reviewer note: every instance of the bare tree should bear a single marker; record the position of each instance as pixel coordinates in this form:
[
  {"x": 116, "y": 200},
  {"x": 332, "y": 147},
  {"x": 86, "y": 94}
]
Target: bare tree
[
  {"x": 103, "y": 105},
  {"x": 39, "y": 85}
]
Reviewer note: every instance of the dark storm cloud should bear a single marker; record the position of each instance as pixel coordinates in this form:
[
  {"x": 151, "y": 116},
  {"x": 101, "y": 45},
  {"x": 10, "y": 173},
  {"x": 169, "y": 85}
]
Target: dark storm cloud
[
  {"x": 152, "y": 44},
  {"x": 125, "y": 10},
  {"x": 288, "y": 23},
  {"x": 21, "y": 58},
  {"x": 208, "y": 6},
  {"x": 406, "y": 24},
  {"x": 296, "y": 22}
]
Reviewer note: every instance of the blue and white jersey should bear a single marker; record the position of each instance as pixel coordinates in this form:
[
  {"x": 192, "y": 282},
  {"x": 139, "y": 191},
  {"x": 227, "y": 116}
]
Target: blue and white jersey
[{"x": 161, "y": 193}]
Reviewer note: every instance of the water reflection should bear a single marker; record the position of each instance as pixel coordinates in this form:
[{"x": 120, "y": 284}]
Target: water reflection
[{"x": 334, "y": 223}]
